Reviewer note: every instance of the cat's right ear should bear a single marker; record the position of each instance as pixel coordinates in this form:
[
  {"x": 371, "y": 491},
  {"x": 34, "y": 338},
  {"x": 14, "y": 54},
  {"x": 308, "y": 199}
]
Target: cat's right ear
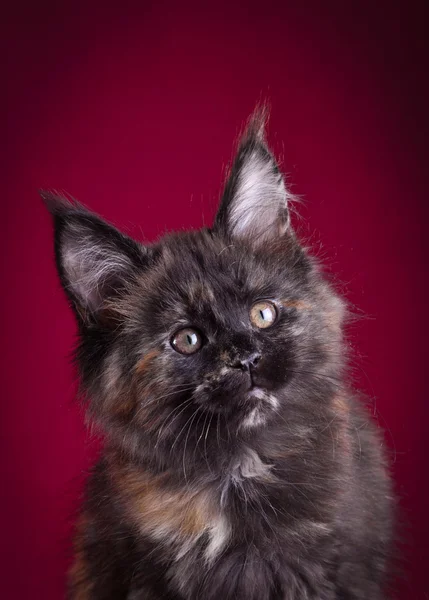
[{"x": 95, "y": 261}]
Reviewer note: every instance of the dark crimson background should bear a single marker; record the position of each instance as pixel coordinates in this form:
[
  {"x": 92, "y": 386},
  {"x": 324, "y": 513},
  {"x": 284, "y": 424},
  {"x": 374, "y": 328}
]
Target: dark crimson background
[{"x": 135, "y": 111}]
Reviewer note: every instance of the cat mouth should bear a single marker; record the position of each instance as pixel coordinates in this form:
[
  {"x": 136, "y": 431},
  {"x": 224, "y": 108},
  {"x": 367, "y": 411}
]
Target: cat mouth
[
  {"x": 258, "y": 388},
  {"x": 259, "y": 397},
  {"x": 257, "y": 392},
  {"x": 254, "y": 396}
]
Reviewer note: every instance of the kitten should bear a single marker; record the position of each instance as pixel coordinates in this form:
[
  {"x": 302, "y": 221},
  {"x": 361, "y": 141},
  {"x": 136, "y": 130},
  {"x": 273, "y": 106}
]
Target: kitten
[{"x": 238, "y": 464}]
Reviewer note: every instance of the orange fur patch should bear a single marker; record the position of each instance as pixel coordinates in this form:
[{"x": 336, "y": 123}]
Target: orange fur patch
[
  {"x": 298, "y": 304},
  {"x": 145, "y": 362},
  {"x": 340, "y": 406},
  {"x": 341, "y": 410},
  {"x": 157, "y": 507},
  {"x": 123, "y": 405},
  {"x": 145, "y": 385}
]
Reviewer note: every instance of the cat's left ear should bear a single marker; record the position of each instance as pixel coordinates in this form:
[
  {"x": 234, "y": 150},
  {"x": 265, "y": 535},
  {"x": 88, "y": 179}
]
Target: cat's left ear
[{"x": 254, "y": 203}]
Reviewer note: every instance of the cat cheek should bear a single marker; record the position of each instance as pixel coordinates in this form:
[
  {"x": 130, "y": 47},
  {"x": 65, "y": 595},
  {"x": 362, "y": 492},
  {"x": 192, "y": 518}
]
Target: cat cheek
[
  {"x": 146, "y": 363},
  {"x": 203, "y": 391},
  {"x": 112, "y": 373}
]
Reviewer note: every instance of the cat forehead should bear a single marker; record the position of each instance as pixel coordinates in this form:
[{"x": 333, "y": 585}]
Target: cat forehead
[
  {"x": 201, "y": 276},
  {"x": 201, "y": 266},
  {"x": 205, "y": 272},
  {"x": 202, "y": 243}
]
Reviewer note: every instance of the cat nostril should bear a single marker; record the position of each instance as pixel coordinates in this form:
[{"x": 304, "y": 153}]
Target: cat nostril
[{"x": 245, "y": 363}]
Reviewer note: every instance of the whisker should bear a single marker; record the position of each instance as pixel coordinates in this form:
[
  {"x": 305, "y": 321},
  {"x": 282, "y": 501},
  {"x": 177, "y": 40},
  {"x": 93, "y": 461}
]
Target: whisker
[
  {"x": 197, "y": 410},
  {"x": 169, "y": 420}
]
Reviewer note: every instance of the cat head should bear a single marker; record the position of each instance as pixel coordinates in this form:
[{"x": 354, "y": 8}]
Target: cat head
[{"x": 218, "y": 332}]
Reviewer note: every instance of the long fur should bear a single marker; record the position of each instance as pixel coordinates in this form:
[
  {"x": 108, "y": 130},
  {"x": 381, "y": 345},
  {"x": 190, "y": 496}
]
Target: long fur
[{"x": 206, "y": 490}]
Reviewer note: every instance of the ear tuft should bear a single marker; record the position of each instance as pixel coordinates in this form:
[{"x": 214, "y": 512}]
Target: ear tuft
[
  {"x": 256, "y": 125},
  {"x": 57, "y": 204}
]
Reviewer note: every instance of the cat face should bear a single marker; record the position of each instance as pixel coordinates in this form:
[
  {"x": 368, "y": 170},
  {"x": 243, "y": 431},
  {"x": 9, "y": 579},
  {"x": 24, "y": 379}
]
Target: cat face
[{"x": 224, "y": 324}]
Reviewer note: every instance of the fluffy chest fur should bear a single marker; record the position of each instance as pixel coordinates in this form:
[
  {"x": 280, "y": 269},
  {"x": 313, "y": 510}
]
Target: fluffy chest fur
[
  {"x": 197, "y": 514},
  {"x": 204, "y": 516}
]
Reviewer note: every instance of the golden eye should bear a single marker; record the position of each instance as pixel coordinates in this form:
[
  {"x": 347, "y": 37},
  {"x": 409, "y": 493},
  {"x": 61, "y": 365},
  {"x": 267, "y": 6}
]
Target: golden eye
[
  {"x": 187, "y": 341},
  {"x": 263, "y": 314}
]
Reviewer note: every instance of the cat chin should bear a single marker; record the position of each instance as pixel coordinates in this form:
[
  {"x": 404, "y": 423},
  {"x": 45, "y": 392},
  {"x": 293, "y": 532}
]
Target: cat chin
[
  {"x": 250, "y": 409},
  {"x": 263, "y": 402},
  {"x": 255, "y": 418}
]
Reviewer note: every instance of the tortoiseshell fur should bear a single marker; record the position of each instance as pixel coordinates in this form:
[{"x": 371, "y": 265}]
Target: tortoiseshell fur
[{"x": 205, "y": 491}]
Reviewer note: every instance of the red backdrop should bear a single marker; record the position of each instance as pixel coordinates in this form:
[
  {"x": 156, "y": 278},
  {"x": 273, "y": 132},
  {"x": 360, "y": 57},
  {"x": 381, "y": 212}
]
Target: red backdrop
[{"x": 134, "y": 112}]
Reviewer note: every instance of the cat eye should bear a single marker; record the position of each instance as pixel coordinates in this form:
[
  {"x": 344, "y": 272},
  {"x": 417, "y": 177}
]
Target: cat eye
[
  {"x": 263, "y": 314},
  {"x": 187, "y": 341}
]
